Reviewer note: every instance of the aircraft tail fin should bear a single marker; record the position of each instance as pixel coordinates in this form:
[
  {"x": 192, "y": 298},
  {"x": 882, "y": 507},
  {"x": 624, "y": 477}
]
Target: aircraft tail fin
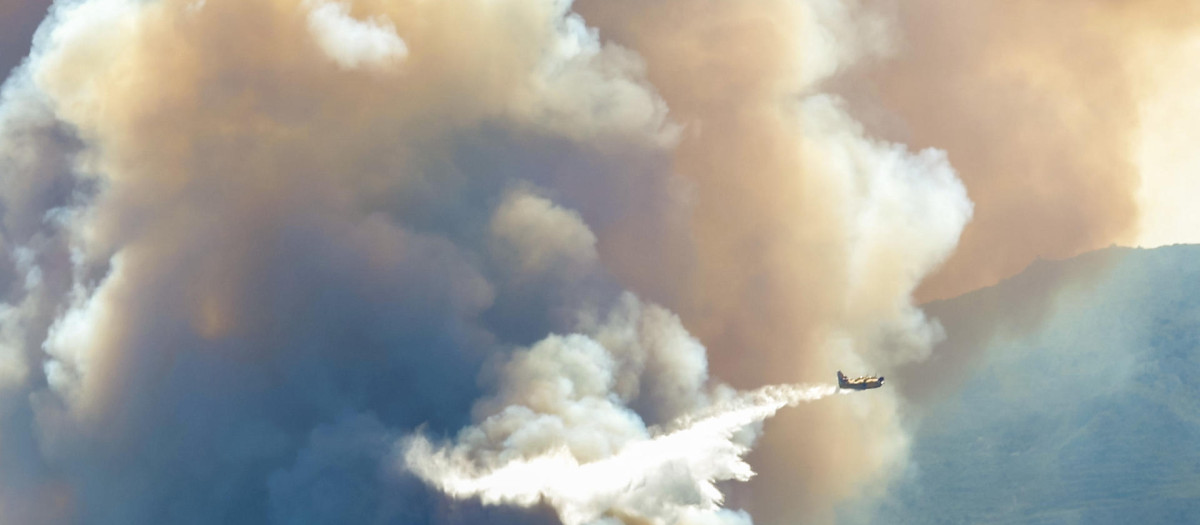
[{"x": 841, "y": 379}]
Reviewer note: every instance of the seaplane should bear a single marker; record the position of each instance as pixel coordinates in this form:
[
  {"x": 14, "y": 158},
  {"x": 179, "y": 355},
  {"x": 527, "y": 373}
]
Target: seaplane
[{"x": 859, "y": 383}]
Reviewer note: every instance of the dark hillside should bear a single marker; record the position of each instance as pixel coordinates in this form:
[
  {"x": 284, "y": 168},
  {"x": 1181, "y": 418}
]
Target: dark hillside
[{"x": 1080, "y": 404}]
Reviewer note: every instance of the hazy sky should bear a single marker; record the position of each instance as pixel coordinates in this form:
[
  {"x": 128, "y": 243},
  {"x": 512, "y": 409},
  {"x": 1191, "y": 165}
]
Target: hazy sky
[
  {"x": 1168, "y": 161},
  {"x": 532, "y": 260}
]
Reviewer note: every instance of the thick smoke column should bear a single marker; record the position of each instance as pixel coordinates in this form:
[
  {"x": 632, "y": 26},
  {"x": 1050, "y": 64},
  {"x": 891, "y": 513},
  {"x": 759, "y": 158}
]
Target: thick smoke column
[{"x": 255, "y": 249}]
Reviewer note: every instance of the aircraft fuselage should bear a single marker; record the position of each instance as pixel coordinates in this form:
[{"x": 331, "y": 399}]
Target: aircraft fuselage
[{"x": 859, "y": 383}]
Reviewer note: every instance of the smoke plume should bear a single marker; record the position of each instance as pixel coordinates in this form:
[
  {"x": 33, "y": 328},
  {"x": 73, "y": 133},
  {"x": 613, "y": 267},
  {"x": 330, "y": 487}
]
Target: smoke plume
[
  {"x": 1039, "y": 108},
  {"x": 334, "y": 261}
]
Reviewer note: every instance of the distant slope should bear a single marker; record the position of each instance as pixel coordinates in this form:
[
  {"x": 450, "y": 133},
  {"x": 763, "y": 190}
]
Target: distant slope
[{"x": 1078, "y": 403}]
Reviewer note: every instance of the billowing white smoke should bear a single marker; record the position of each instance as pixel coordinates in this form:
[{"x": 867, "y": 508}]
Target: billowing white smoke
[
  {"x": 560, "y": 432},
  {"x": 353, "y": 43},
  {"x": 903, "y": 214}
]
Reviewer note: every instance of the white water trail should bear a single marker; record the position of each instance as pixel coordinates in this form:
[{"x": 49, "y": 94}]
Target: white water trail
[
  {"x": 685, "y": 462},
  {"x": 754, "y": 405}
]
